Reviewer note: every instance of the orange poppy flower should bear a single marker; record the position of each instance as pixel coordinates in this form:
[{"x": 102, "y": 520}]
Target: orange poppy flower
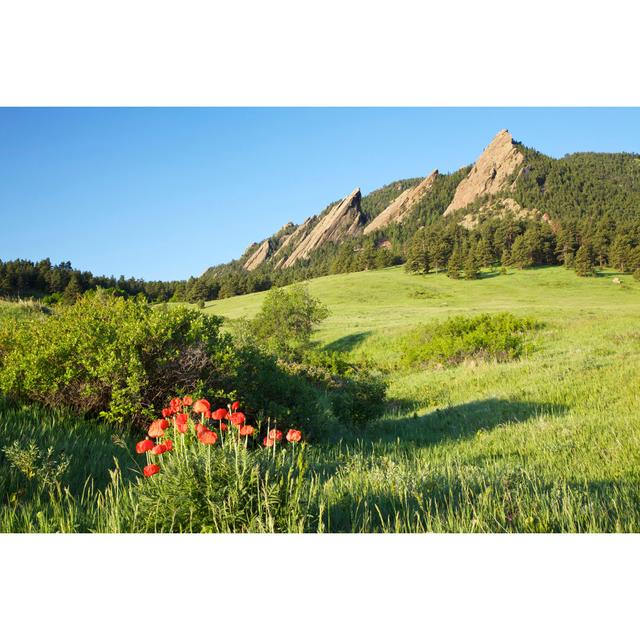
[
  {"x": 237, "y": 418},
  {"x": 156, "y": 429},
  {"x": 159, "y": 449},
  {"x": 275, "y": 434},
  {"x": 268, "y": 442},
  {"x": 293, "y": 435},
  {"x": 219, "y": 414},
  {"x": 151, "y": 470},
  {"x": 166, "y": 412},
  {"x": 246, "y": 430},
  {"x": 200, "y": 428},
  {"x": 176, "y": 404},
  {"x": 208, "y": 437},
  {"x": 187, "y": 401},
  {"x": 200, "y": 406},
  {"x": 144, "y": 445}
]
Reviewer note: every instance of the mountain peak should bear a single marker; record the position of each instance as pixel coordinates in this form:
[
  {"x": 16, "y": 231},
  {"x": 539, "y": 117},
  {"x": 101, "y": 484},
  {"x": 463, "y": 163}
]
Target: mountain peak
[
  {"x": 344, "y": 219},
  {"x": 490, "y": 172}
]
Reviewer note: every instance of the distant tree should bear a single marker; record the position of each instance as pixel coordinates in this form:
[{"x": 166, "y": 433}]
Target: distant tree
[
  {"x": 72, "y": 291},
  {"x": 418, "y": 256},
  {"x": 585, "y": 261},
  {"x": 483, "y": 253},
  {"x": 471, "y": 266},
  {"x": 455, "y": 266},
  {"x": 521, "y": 253}
]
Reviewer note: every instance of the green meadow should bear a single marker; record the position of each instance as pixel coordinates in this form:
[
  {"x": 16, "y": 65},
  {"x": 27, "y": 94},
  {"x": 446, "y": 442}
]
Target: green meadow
[{"x": 547, "y": 442}]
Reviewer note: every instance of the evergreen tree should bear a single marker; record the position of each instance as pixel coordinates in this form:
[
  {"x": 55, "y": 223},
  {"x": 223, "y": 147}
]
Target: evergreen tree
[
  {"x": 471, "y": 266},
  {"x": 72, "y": 291},
  {"x": 418, "y": 256},
  {"x": 454, "y": 266},
  {"x": 521, "y": 253},
  {"x": 585, "y": 261}
]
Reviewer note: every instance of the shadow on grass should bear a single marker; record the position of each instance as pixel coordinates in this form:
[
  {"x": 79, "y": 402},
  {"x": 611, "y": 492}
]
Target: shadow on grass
[
  {"x": 347, "y": 343},
  {"x": 459, "y": 421}
]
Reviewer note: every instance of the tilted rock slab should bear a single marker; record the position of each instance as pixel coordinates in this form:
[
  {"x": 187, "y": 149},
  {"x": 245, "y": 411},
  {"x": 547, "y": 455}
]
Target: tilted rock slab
[
  {"x": 345, "y": 219},
  {"x": 258, "y": 257},
  {"x": 490, "y": 173},
  {"x": 402, "y": 205}
]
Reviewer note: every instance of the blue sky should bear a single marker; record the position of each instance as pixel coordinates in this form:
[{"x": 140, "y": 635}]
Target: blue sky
[{"x": 165, "y": 193}]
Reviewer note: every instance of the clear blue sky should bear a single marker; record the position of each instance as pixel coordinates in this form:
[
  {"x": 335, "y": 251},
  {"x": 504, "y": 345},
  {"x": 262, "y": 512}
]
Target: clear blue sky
[{"x": 165, "y": 193}]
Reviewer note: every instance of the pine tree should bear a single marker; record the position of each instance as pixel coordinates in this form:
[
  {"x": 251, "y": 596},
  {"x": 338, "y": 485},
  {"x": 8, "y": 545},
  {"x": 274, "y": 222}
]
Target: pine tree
[
  {"x": 520, "y": 253},
  {"x": 418, "y": 257},
  {"x": 585, "y": 261},
  {"x": 454, "y": 266},
  {"x": 72, "y": 291},
  {"x": 471, "y": 266}
]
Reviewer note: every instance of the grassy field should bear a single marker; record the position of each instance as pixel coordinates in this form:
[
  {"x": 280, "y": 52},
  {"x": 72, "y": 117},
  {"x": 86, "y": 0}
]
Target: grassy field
[{"x": 549, "y": 442}]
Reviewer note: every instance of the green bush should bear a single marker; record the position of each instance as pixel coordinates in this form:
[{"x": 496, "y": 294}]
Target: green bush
[
  {"x": 108, "y": 356},
  {"x": 287, "y": 320},
  {"x": 498, "y": 337}
]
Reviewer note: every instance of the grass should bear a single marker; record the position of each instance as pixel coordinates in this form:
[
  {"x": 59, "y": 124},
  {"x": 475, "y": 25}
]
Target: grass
[{"x": 547, "y": 442}]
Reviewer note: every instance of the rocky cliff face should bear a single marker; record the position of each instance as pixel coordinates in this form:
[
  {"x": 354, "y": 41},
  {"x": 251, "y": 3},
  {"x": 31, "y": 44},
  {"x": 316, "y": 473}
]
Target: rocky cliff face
[
  {"x": 258, "y": 256},
  {"x": 397, "y": 211},
  {"x": 345, "y": 219},
  {"x": 490, "y": 173}
]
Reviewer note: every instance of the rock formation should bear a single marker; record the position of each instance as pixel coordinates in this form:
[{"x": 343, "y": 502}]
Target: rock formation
[
  {"x": 490, "y": 173},
  {"x": 402, "y": 205},
  {"x": 344, "y": 219},
  {"x": 258, "y": 257}
]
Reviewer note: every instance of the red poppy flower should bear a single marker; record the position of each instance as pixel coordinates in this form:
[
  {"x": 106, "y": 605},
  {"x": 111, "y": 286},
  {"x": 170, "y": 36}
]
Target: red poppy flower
[
  {"x": 246, "y": 430},
  {"x": 206, "y": 414},
  {"x": 224, "y": 427},
  {"x": 168, "y": 444},
  {"x": 275, "y": 434},
  {"x": 268, "y": 442},
  {"x": 200, "y": 428},
  {"x": 237, "y": 418},
  {"x": 176, "y": 404},
  {"x": 156, "y": 429},
  {"x": 200, "y": 406},
  {"x": 219, "y": 414},
  {"x": 166, "y": 412},
  {"x": 208, "y": 437},
  {"x": 181, "y": 422},
  {"x": 235, "y": 406},
  {"x": 187, "y": 401},
  {"x": 144, "y": 445},
  {"x": 158, "y": 449},
  {"x": 293, "y": 435},
  {"x": 151, "y": 470}
]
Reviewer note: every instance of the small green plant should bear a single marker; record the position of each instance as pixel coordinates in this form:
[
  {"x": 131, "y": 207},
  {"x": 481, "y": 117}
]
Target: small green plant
[{"x": 36, "y": 466}]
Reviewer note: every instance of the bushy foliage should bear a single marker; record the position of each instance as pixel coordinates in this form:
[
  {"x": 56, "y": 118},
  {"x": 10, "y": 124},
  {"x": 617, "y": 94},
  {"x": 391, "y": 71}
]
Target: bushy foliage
[
  {"x": 109, "y": 356},
  {"x": 498, "y": 336},
  {"x": 287, "y": 320}
]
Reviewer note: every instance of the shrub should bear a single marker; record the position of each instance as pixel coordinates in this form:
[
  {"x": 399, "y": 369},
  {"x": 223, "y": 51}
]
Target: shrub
[
  {"x": 498, "y": 336},
  {"x": 287, "y": 320},
  {"x": 109, "y": 356}
]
